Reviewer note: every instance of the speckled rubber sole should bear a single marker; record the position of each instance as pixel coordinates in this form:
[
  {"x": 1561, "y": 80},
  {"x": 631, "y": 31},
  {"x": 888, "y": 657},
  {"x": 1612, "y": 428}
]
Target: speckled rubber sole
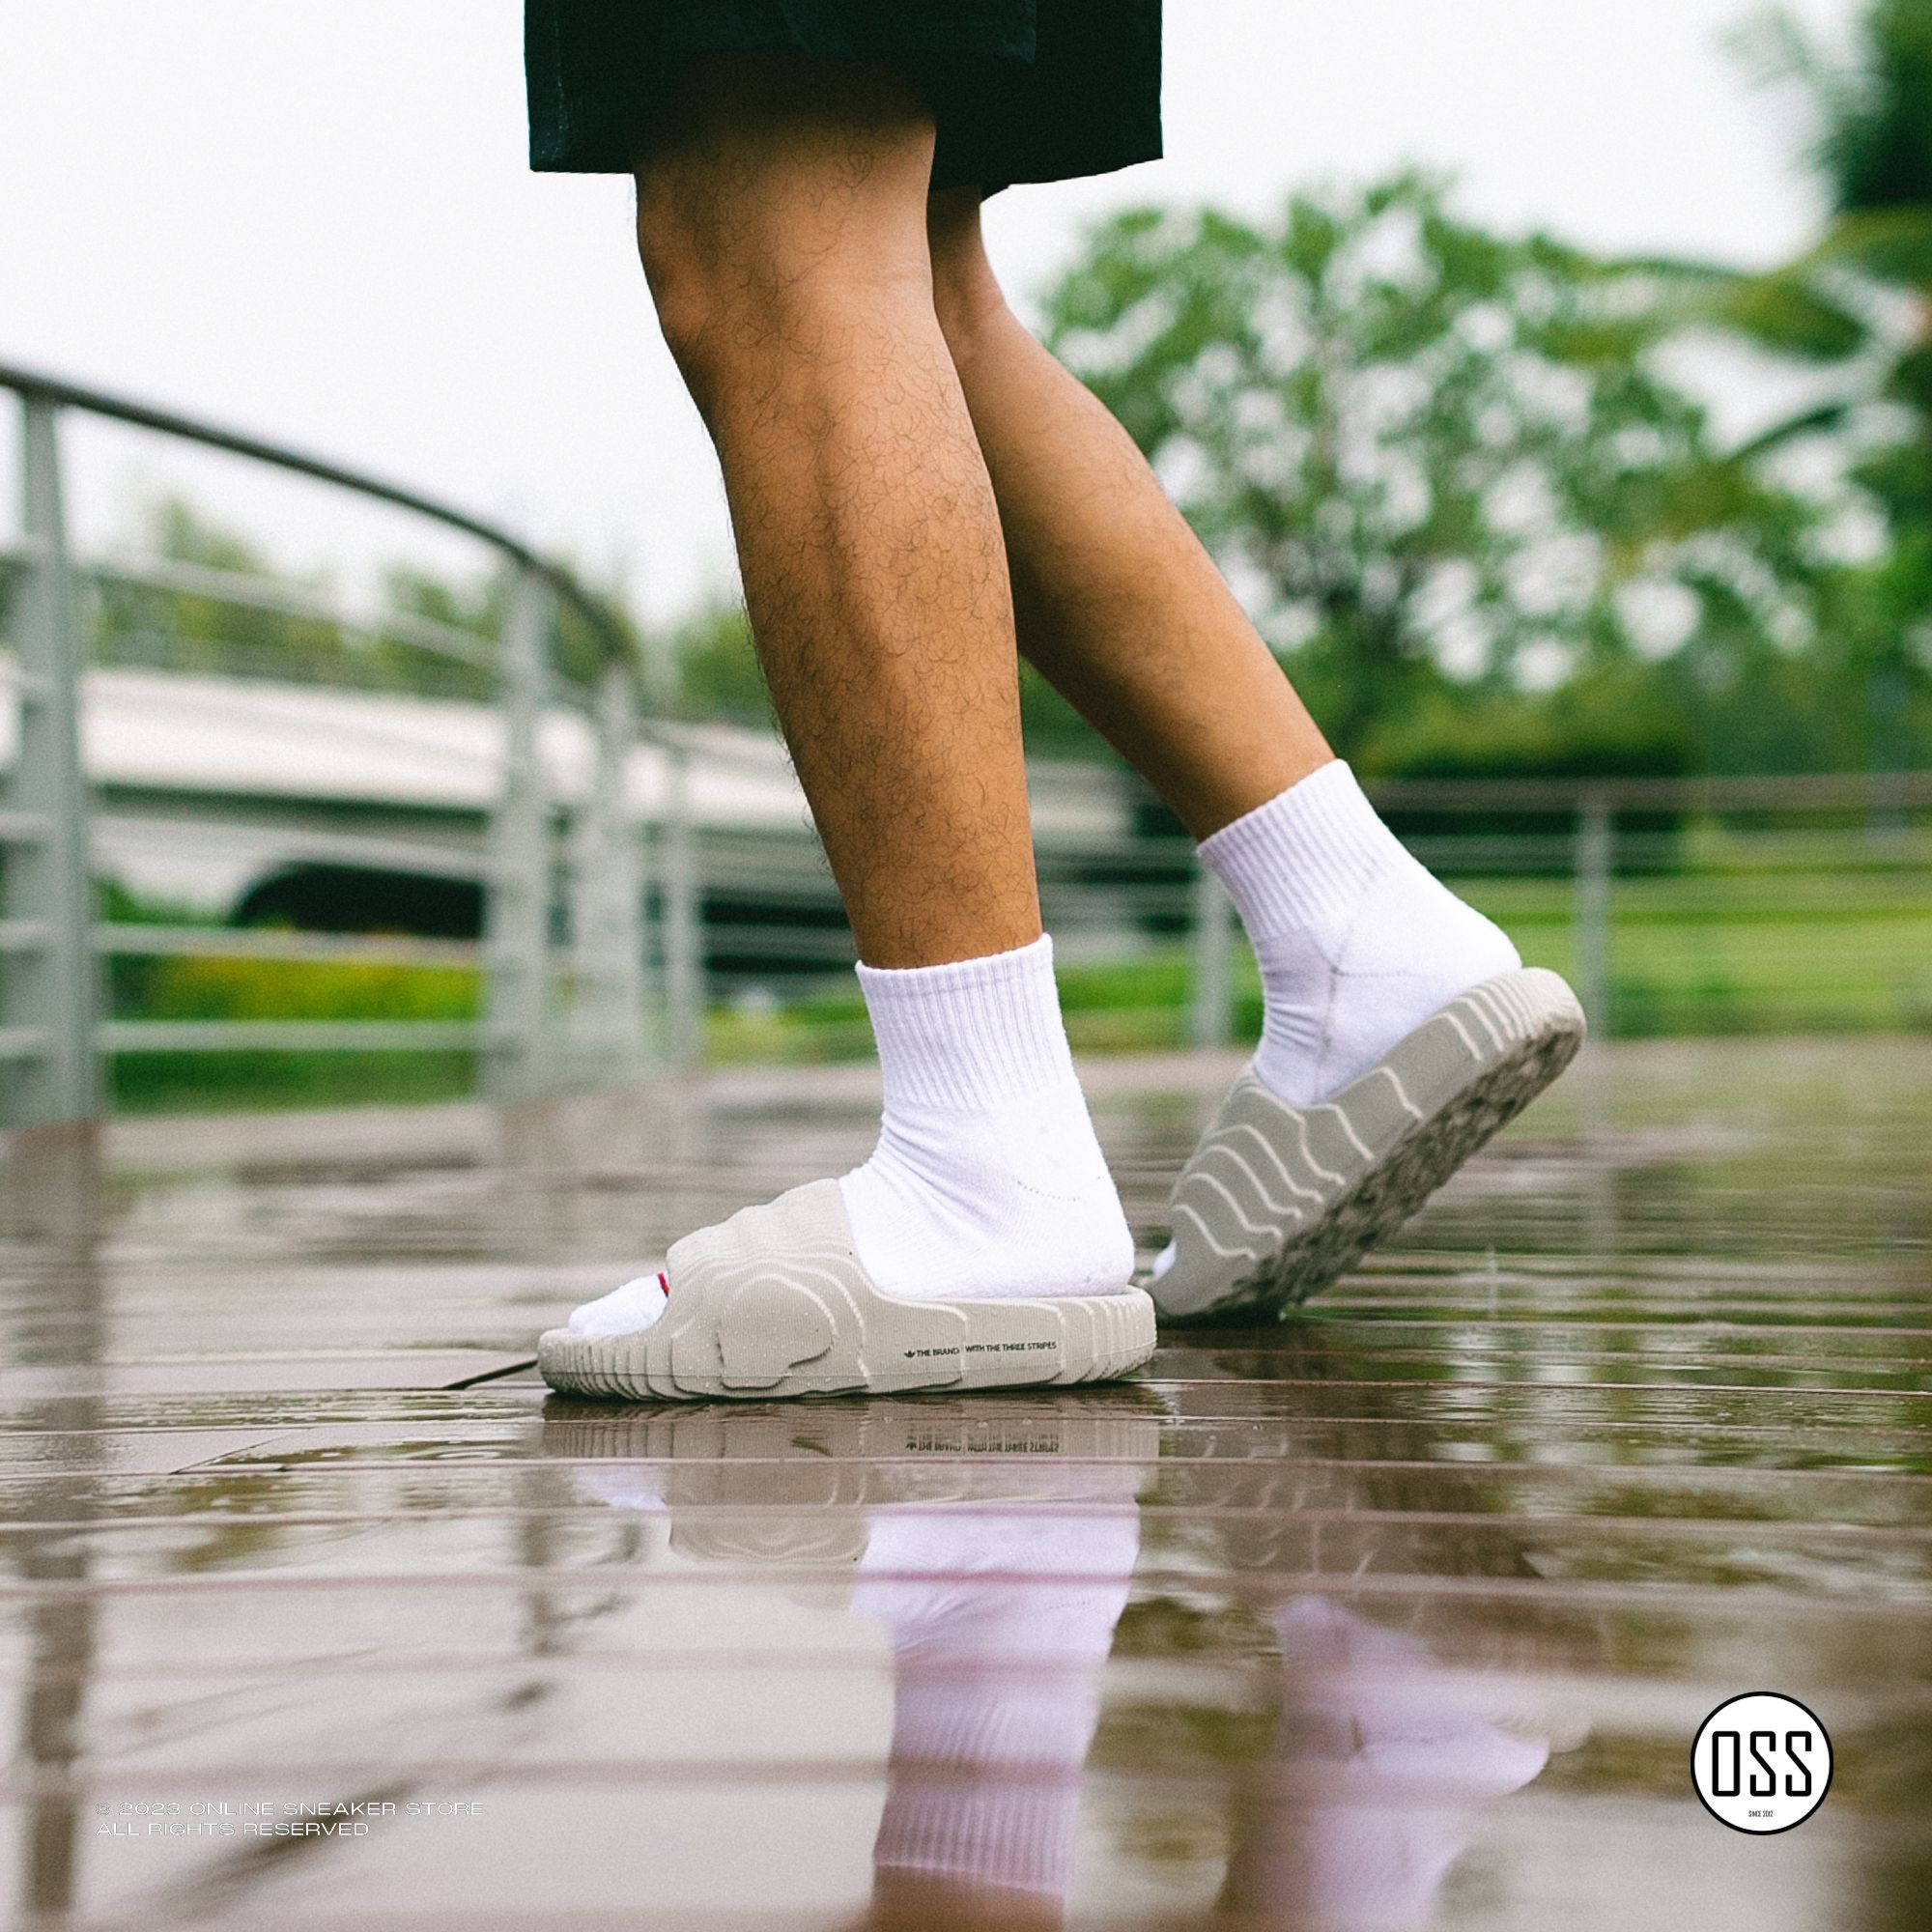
[
  {"x": 1278, "y": 1200},
  {"x": 773, "y": 1302}
]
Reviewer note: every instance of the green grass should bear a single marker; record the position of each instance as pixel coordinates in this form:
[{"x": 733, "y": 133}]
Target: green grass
[
  {"x": 1713, "y": 953},
  {"x": 1693, "y": 954},
  {"x": 180, "y": 989},
  {"x": 223, "y": 1082}
]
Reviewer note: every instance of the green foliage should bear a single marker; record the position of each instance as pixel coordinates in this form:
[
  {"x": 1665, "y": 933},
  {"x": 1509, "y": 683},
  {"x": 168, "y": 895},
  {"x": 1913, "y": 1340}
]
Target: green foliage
[
  {"x": 228, "y": 610},
  {"x": 201, "y": 625},
  {"x": 1053, "y": 728},
  {"x": 1861, "y": 298},
  {"x": 1871, "y": 137},
  {"x": 1417, "y": 446},
  {"x": 188, "y": 988},
  {"x": 185, "y": 989},
  {"x": 716, "y": 667},
  {"x": 199, "y": 1083},
  {"x": 1614, "y": 720}
]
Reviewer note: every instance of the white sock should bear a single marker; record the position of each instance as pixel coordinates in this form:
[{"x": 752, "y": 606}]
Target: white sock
[
  {"x": 987, "y": 1179},
  {"x": 1357, "y": 942}
]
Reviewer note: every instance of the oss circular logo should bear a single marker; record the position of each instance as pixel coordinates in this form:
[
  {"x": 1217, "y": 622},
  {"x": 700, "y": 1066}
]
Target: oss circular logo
[{"x": 1761, "y": 1763}]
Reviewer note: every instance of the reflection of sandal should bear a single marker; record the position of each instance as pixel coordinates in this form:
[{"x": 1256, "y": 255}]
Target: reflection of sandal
[
  {"x": 1279, "y": 1200},
  {"x": 774, "y": 1302},
  {"x": 787, "y": 1485}
]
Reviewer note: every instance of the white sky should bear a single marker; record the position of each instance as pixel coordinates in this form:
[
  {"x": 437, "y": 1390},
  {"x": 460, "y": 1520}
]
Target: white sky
[{"x": 312, "y": 219}]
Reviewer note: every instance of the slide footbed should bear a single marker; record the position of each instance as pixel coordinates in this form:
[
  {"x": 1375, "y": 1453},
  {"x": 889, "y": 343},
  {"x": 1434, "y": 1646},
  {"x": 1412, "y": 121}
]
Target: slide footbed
[{"x": 773, "y": 1302}]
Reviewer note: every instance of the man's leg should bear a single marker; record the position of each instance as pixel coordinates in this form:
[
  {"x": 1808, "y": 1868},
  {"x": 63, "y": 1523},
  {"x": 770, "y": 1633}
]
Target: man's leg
[
  {"x": 1367, "y": 963},
  {"x": 782, "y": 221},
  {"x": 1124, "y": 610},
  {"x": 1121, "y": 608}
]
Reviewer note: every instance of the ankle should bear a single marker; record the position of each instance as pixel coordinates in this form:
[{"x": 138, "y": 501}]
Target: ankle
[
  {"x": 1357, "y": 942},
  {"x": 987, "y": 1179},
  {"x": 1012, "y": 1202}
]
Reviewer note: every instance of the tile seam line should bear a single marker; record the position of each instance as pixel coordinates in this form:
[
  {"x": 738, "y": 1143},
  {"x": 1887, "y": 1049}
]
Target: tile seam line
[
  {"x": 1770, "y": 1364},
  {"x": 1406, "y": 1586},
  {"x": 1581, "y": 1387},
  {"x": 1021, "y": 1509},
  {"x": 1663, "y": 1473},
  {"x": 1444, "y": 1385},
  {"x": 1895, "y": 1825}
]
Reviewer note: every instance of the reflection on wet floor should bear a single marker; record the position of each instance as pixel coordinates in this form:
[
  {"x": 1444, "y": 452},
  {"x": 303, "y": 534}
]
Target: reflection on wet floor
[
  {"x": 1000, "y": 1602},
  {"x": 321, "y": 1612}
]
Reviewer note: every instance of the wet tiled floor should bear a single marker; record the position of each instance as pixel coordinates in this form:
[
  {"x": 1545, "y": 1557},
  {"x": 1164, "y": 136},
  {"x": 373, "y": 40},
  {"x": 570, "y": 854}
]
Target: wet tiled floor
[{"x": 318, "y": 1611}]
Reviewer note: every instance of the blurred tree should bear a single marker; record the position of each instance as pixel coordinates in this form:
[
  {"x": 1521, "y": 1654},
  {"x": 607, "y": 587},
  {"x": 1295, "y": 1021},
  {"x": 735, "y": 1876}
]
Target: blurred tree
[
  {"x": 227, "y": 608},
  {"x": 1860, "y": 302},
  {"x": 716, "y": 666},
  {"x": 423, "y": 609},
  {"x": 223, "y": 610},
  {"x": 1419, "y": 448}
]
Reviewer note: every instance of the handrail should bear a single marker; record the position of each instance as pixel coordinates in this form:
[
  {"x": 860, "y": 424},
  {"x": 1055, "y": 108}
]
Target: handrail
[
  {"x": 246, "y": 591},
  {"x": 1817, "y": 791},
  {"x": 566, "y": 986},
  {"x": 58, "y": 390},
  {"x": 557, "y": 996}
]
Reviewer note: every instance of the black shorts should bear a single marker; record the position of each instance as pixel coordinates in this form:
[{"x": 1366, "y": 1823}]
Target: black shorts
[{"x": 1021, "y": 89}]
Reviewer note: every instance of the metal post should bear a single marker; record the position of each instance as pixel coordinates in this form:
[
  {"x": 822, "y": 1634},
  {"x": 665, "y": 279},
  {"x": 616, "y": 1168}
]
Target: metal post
[
  {"x": 606, "y": 896},
  {"x": 49, "y": 980},
  {"x": 1212, "y": 1019},
  {"x": 517, "y": 930},
  {"x": 683, "y": 922},
  {"x": 1593, "y": 860}
]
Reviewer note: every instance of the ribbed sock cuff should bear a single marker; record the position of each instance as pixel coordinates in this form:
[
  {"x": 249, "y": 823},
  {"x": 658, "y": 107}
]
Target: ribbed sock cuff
[
  {"x": 985, "y": 1772},
  {"x": 973, "y": 1034},
  {"x": 1303, "y": 856},
  {"x": 1013, "y": 1834}
]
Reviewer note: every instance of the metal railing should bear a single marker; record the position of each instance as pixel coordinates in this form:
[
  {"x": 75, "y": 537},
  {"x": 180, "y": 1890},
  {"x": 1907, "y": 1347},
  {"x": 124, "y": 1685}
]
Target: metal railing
[
  {"x": 1765, "y": 904},
  {"x": 560, "y": 993},
  {"x": 617, "y": 926}
]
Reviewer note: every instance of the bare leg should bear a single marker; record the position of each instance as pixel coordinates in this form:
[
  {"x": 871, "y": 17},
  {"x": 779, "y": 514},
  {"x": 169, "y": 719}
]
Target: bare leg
[
  {"x": 1358, "y": 946},
  {"x": 782, "y": 221},
  {"x": 1119, "y": 606}
]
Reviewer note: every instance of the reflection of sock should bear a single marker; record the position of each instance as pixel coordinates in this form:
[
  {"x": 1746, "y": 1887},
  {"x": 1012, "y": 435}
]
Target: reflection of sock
[
  {"x": 995, "y": 1683},
  {"x": 1357, "y": 942},
  {"x": 623, "y": 1486},
  {"x": 987, "y": 1180},
  {"x": 1385, "y": 1775}
]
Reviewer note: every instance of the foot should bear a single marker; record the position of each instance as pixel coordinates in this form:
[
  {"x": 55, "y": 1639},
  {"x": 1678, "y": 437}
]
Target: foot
[
  {"x": 1357, "y": 942},
  {"x": 956, "y": 1205},
  {"x": 1362, "y": 952},
  {"x": 987, "y": 1191},
  {"x": 1277, "y": 1202},
  {"x": 987, "y": 1180},
  {"x": 776, "y": 1302}
]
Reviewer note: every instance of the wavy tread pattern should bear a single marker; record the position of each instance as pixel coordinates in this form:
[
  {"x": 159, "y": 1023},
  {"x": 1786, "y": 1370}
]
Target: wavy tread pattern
[{"x": 1278, "y": 1200}]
